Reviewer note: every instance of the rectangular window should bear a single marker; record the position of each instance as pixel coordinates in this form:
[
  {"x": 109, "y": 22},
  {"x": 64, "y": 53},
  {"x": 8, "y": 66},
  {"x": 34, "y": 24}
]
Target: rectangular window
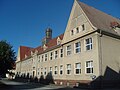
[
  {"x": 89, "y": 67},
  {"x": 51, "y": 70},
  {"x": 55, "y": 70},
  {"x": 41, "y": 71},
  {"x": 45, "y": 72},
  {"x": 77, "y": 30},
  {"x": 61, "y": 69},
  {"x": 68, "y": 69},
  {"x": 61, "y": 52},
  {"x": 72, "y": 32},
  {"x": 89, "y": 44},
  {"x": 45, "y": 57},
  {"x": 83, "y": 27},
  {"x": 69, "y": 50},
  {"x": 78, "y": 68},
  {"x": 77, "y": 47},
  {"x": 51, "y": 55},
  {"x": 42, "y": 58},
  {"x": 56, "y": 54},
  {"x": 38, "y": 58}
]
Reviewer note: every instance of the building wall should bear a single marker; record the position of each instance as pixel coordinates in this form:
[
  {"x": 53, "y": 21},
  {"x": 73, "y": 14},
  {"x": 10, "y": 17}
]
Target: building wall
[{"x": 110, "y": 51}]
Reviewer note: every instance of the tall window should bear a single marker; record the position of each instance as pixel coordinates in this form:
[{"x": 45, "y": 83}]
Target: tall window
[
  {"x": 89, "y": 44},
  {"x": 41, "y": 71},
  {"x": 42, "y": 58},
  {"x": 77, "y": 47},
  {"x": 78, "y": 68},
  {"x": 56, "y": 54},
  {"x": 51, "y": 55},
  {"x": 45, "y": 72},
  {"x": 68, "y": 68},
  {"x": 69, "y": 50},
  {"x": 61, "y": 69},
  {"x": 89, "y": 67},
  {"x": 83, "y": 27},
  {"x": 55, "y": 70},
  {"x": 51, "y": 70},
  {"x": 38, "y": 58},
  {"x": 77, "y": 30},
  {"x": 61, "y": 52},
  {"x": 72, "y": 32},
  {"x": 45, "y": 57}
]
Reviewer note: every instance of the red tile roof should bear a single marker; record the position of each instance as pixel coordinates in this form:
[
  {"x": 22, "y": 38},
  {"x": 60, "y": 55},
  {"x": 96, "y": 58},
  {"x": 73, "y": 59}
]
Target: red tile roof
[{"x": 27, "y": 50}]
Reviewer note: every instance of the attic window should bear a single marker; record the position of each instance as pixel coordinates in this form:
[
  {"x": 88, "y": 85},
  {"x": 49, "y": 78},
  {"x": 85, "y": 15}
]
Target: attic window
[
  {"x": 83, "y": 27},
  {"x": 114, "y": 25},
  {"x": 77, "y": 30},
  {"x": 72, "y": 32}
]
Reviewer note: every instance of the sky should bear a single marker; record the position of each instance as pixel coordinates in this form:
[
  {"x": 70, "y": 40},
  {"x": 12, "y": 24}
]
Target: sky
[{"x": 23, "y": 22}]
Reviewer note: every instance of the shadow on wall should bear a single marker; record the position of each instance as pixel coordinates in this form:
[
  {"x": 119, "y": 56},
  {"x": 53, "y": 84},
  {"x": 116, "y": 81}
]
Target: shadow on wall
[
  {"x": 110, "y": 79},
  {"x": 48, "y": 79}
]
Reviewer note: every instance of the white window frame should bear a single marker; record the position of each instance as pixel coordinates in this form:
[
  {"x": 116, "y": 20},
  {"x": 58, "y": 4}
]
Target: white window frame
[
  {"x": 69, "y": 69},
  {"x": 56, "y": 70},
  {"x": 89, "y": 44},
  {"x": 72, "y": 32},
  {"x": 79, "y": 68},
  {"x": 46, "y": 56},
  {"x": 61, "y": 53},
  {"x": 45, "y": 71},
  {"x": 51, "y": 70},
  {"x": 83, "y": 27},
  {"x": 89, "y": 66},
  {"x": 61, "y": 69},
  {"x": 68, "y": 51},
  {"x": 77, "y": 30},
  {"x": 42, "y": 59},
  {"x": 51, "y": 55},
  {"x": 56, "y": 54},
  {"x": 79, "y": 47}
]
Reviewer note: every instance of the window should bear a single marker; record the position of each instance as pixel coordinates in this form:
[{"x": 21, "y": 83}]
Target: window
[
  {"x": 56, "y": 54},
  {"x": 61, "y": 69},
  {"x": 72, "y": 32},
  {"x": 89, "y": 67},
  {"x": 77, "y": 68},
  {"x": 69, "y": 50},
  {"x": 41, "y": 71},
  {"x": 61, "y": 52},
  {"x": 89, "y": 44},
  {"x": 83, "y": 27},
  {"x": 38, "y": 58},
  {"x": 45, "y": 72},
  {"x": 42, "y": 58},
  {"x": 50, "y": 70},
  {"x": 55, "y": 70},
  {"x": 77, "y": 30},
  {"x": 77, "y": 47},
  {"x": 51, "y": 55},
  {"x": 68, "y": 68},
  {"x": 45, "y": 57}
]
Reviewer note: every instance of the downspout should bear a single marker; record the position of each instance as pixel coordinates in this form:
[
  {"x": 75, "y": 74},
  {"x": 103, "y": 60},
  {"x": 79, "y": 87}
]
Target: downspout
[{"x": 100, "y": 56}]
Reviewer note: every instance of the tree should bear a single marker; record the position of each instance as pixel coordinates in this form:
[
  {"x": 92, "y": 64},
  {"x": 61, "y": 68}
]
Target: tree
[{"x": 7, "y": 57}]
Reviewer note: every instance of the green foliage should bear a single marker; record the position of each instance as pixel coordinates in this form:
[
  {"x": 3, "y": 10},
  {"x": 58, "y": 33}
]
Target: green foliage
[{"x": 7, "y": 57}]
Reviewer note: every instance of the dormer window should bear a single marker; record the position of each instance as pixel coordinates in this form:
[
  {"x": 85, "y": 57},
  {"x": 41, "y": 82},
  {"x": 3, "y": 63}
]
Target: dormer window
[
  {"x": 58, "y": 41},
  {"x": 72, "y": 32}
]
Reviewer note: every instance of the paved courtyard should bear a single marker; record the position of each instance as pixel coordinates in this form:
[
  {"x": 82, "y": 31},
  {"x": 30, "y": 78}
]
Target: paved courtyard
[{"x": 6, "y": 84}]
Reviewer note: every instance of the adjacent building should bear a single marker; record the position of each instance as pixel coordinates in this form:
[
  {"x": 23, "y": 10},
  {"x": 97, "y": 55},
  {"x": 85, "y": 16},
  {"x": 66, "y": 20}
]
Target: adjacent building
[{"x": 88, "y": 50}]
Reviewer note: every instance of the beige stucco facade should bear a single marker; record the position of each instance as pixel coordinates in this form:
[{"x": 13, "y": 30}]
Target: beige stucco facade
[{"x": 105, "y": 52}]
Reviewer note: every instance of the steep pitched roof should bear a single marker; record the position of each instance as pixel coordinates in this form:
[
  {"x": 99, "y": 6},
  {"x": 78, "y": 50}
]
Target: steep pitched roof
[
  {"x": 27, "y": 50},
  {"x": 98, "y": 18},
  {"x": 24, "y": 51}
]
